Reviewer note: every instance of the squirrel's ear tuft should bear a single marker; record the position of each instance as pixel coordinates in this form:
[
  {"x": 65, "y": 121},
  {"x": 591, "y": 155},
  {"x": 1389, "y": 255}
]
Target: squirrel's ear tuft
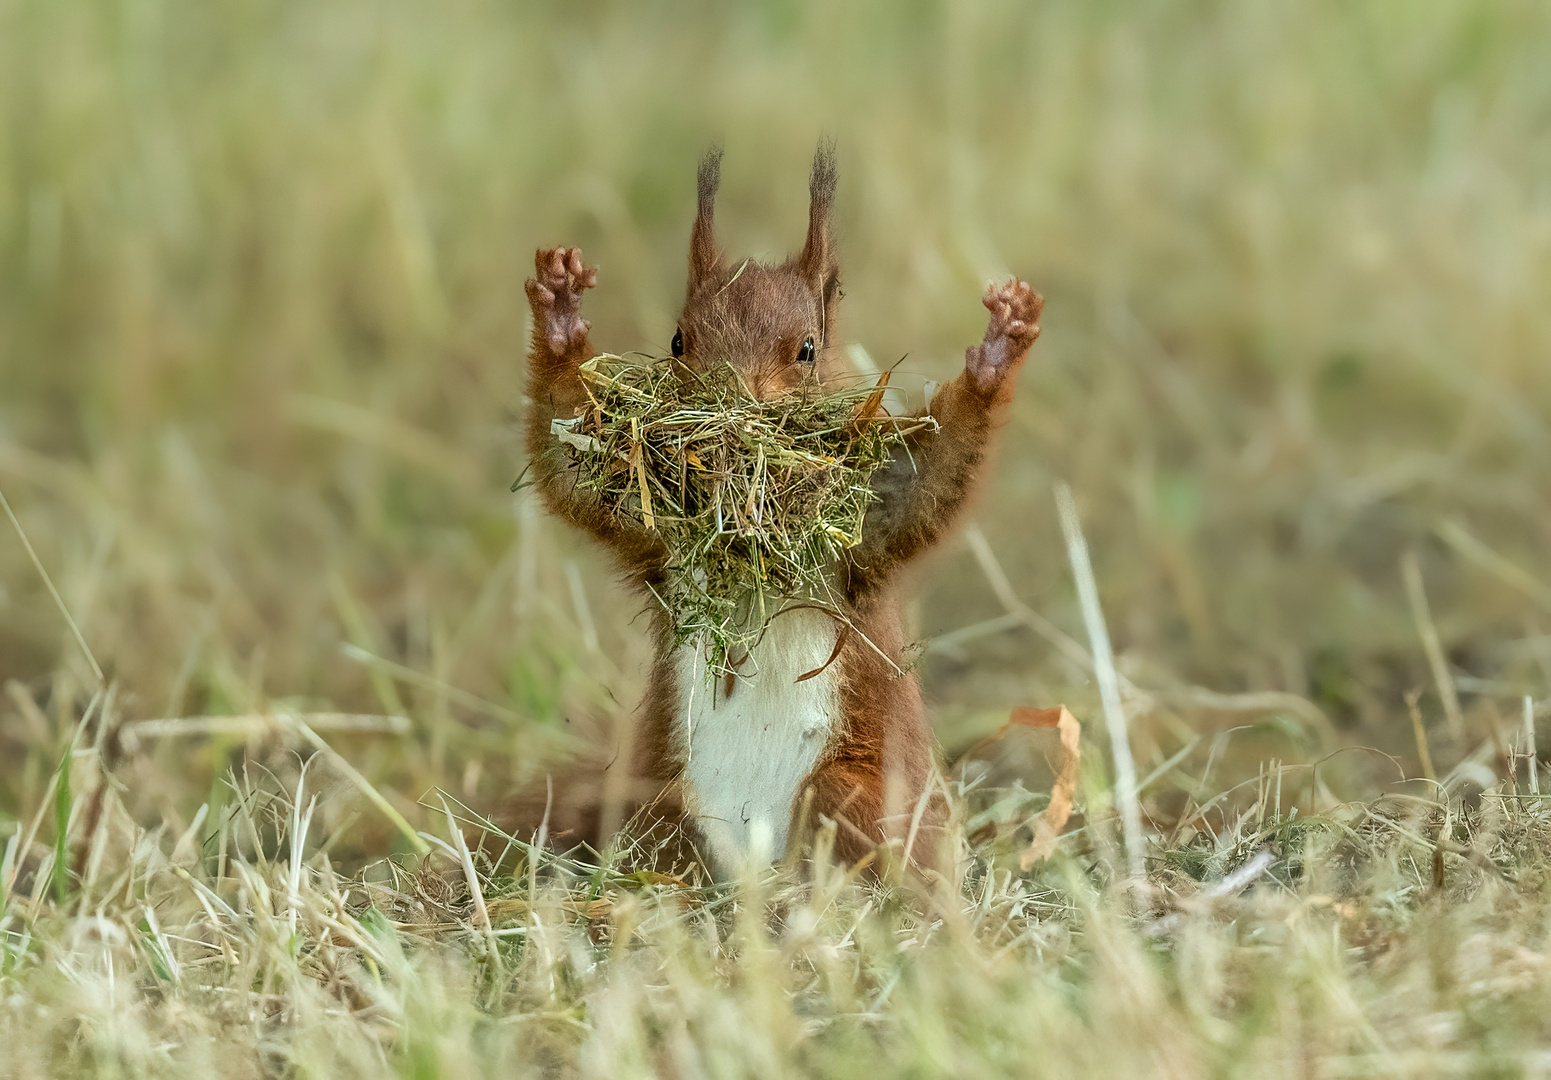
[
  {"x": 705, "y": 257},
  {"x": 817, "y": 261}
]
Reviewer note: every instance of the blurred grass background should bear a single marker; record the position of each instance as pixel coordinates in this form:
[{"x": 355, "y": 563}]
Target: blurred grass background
[{"x": 262, "y": 334}]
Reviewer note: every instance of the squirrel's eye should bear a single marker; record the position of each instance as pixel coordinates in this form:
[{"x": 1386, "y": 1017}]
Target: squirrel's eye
[
  {"x": 678, "y": 343},
  {"x": 805, "y": 354}
]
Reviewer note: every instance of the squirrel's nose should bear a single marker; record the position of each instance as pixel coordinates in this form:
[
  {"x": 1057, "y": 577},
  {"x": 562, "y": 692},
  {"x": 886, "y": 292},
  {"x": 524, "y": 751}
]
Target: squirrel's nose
[{"x": 756, "y": 381}]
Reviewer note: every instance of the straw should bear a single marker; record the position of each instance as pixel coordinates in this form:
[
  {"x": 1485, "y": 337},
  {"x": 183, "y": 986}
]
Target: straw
[{"x": 755, "y": 501}]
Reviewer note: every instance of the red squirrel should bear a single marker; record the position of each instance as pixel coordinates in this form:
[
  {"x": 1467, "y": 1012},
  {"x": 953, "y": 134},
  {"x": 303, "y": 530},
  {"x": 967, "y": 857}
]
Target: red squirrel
[{"x": 744, "y": 761}]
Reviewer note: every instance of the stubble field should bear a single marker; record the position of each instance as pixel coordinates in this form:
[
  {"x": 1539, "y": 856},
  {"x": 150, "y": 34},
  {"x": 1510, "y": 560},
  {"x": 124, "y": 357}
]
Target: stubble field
[{"x": 261, "y": 334}]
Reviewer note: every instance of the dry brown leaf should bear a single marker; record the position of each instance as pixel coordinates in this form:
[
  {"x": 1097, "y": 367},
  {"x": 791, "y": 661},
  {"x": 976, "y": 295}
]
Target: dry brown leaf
[
  {"x": 1053, "y": 820},
  {"x": 869, "y": 407},
  {"x": 1048, "y": 829}
]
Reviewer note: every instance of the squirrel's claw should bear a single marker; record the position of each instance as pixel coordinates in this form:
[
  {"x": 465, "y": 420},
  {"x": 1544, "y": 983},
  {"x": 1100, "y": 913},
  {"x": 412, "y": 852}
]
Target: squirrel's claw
[
  {"x": 555, "y": 296},
  {"x": 1015, "y": 309}
]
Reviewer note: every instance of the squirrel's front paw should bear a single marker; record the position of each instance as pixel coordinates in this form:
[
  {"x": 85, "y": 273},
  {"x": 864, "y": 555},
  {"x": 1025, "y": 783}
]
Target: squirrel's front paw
[
  {"x": 1014, "y": 325},
  {"x": 556, "y": 296}
]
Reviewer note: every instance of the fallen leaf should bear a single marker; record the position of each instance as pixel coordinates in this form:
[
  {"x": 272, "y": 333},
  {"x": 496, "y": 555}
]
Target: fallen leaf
[{"x": 1053, "y": 820}]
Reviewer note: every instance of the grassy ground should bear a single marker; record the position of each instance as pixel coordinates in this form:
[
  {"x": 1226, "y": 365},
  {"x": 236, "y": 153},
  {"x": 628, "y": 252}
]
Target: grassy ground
[{"x": 261, "y": 329}]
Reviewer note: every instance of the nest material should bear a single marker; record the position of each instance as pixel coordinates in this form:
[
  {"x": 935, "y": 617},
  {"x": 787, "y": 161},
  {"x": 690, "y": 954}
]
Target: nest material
[{"x": 755, "y": 501}]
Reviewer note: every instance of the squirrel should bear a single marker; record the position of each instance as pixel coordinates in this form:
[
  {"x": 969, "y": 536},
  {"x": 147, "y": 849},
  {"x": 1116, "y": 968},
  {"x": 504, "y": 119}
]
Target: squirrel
[{"x": 828, "y": 724}]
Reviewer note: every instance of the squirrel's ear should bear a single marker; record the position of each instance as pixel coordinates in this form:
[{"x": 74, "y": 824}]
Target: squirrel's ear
[
  {"x": 817, "y": 262},
  {"x": 705, "y": 257}
]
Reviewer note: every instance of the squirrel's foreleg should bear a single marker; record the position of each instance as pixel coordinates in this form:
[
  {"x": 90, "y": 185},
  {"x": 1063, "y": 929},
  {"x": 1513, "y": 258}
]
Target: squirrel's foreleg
[
  {"x": 922, "y": 490},
  {"x": 555, "y": 391}
]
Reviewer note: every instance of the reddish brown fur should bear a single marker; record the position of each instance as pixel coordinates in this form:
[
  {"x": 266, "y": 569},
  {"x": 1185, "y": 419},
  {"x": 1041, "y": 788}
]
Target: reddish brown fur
[{"x": 872, "y": 776}]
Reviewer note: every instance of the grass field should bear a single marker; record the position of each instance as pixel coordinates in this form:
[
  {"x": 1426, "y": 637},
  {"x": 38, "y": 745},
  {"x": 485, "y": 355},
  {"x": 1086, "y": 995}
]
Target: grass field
[{"x": 261, "y": 335}]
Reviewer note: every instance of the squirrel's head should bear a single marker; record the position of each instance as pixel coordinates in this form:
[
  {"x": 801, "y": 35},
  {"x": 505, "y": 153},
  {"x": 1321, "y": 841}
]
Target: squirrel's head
[{"x": 774, "y": 324}]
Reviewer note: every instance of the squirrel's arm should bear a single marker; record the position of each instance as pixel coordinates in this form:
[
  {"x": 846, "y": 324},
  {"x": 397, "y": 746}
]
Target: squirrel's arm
[
  {"x": 555, "y": 391},
  {"x": 922, "y": 489}
]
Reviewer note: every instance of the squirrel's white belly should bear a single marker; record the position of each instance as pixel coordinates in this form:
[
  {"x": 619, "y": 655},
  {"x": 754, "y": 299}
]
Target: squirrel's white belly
[{"x": 748, "y": 753}]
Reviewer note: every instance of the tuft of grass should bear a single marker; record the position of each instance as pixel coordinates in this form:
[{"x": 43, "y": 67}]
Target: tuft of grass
[
  {"x": 1398, "y": 936},
  {"x": 756, "y": 501}
]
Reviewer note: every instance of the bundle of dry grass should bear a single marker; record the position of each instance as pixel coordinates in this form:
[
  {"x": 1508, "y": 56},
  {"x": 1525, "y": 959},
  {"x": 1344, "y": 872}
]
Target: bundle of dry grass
[{"x": 756, "y": 501}]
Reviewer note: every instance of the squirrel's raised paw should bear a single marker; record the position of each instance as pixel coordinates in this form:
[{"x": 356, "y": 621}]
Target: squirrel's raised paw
[
  {"x": 556, "y": 296},
  {"x": 1014, "y": 325}
]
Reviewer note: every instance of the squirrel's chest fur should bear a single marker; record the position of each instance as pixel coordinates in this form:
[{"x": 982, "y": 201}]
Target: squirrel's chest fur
[{"x": 747, "y": 754}]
